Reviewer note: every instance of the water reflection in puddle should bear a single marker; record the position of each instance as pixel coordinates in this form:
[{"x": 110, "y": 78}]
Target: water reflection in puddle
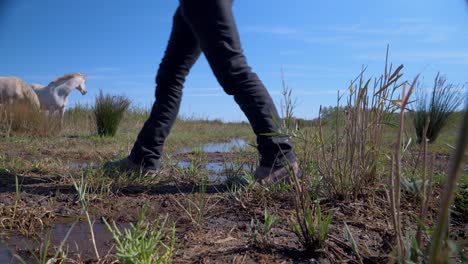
[
  {"x": 78, "y": 242},
  {"x": 234, "y": 144},
  {"x": 5, "y": 254},
  {"x": 218, "y": 171}
]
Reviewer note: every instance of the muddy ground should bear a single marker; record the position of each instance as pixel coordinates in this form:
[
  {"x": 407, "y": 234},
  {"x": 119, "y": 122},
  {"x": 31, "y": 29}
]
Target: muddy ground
[{"x": 48, "y": 204}]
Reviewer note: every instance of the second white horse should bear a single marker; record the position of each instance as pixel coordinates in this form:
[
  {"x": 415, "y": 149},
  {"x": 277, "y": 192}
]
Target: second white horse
[{"x": 54, "y": 97}]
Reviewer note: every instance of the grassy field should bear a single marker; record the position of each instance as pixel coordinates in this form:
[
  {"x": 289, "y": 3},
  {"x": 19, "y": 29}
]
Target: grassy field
[{"x": 57, "y": 204}]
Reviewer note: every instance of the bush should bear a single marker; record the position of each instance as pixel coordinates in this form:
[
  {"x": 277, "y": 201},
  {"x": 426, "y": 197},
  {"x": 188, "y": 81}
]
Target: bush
[
  {"x": 108, "y": 113},
  {"x": 444, "y": 100}
]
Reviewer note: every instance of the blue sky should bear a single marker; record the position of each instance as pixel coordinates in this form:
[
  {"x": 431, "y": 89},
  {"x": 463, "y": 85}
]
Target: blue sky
[{"x": 320, "y": 45}]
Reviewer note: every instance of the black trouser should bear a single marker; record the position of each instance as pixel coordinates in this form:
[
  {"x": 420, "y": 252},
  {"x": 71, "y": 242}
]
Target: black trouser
[{"x": 208, "y": 26}]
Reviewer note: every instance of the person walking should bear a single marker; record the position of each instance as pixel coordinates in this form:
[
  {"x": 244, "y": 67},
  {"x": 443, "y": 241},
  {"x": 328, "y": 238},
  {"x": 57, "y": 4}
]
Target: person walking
[{"x": 208, "y": 26}]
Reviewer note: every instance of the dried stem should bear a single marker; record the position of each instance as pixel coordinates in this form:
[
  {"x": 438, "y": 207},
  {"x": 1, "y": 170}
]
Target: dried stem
[
  {"x": 425, "y": 193},
  {"x": 397, "y": 170}
]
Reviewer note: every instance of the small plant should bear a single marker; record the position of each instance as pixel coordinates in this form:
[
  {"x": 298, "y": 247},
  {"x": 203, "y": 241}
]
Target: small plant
[
  {"x": 354, "y": 245},
  {"x": 412, "y": 186},
  {"x": 444, "y": 99},
  {"x": 197, "y": 208},
  {"x": 17, "y": 198},
  {"x": 143, "y": 243},
  {"x": 193, "y": 170},
  {"x": 311, "y": 227},
  {"x": 82, "y": 189},
  {"x": 244, "y": 182},
  {"x": 261, "y": 233},
  {"x": 394, "y": 195},
  {"x": 108, "y": 112}
]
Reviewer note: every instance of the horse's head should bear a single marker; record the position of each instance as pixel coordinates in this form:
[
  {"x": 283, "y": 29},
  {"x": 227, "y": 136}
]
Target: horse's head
[{"x": 81, "y": 85}]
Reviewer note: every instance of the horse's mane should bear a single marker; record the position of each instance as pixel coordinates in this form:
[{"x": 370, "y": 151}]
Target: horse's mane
[{"x": 66, "y": 77}]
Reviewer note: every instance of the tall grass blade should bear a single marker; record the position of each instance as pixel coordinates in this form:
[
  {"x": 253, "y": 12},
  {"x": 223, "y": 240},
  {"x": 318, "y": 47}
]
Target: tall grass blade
[{"x": 439, "y": 238}]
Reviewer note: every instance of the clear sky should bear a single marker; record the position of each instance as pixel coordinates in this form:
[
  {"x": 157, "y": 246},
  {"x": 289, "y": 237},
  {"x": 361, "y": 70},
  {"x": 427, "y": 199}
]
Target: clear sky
[{"x": 320, "y": 45}]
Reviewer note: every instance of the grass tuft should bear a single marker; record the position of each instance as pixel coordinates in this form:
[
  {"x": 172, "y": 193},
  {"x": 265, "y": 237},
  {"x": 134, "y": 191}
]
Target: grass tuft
[
  {"x": 24, "y": 118},
  {"x": 260, "y": 233},
  {"x": 143, "y": 242},
  {"x": 444, "y": 99},
  {"x": 109, "y": 111}
]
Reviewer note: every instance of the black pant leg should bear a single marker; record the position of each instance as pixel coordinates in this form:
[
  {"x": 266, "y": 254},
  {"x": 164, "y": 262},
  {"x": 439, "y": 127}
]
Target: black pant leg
[
  {"x": 213, "y": 24},
  {"x": 181, "y": 53}
]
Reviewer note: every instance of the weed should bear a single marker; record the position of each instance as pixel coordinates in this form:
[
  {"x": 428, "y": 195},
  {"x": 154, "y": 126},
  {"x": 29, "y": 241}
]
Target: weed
[
  {"x": 349, "y": 155},
  {"x": 17, "y": 198},
  {"x": 82, "y": 189},
  {"x": 194, "y": 171},
  {"x": 354, "y": 245},
  {"x": 197, "y": 207},
  {"x": 308, "y": 225},
  {"x": 311, "y": 227},
  {"x": 108, "y": 112},
  {"x": 244, "y": 182},
  {"x": 426, "y": 187},
  {"x": 143, "y": 243},
  {"x": 412, "y": 186},
  {"x": 20, "y": 217},
  {"x": 260, "y": 233},
  {"x": 395, "y": 172}
]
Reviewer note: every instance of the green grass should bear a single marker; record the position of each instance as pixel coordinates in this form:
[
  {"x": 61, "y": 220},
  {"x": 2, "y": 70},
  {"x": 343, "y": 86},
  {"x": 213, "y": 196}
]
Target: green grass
[
  {"x": 439, "y": 179},
  {"x": 108, "y": 112},
  {"x": 143, "y": 242}
]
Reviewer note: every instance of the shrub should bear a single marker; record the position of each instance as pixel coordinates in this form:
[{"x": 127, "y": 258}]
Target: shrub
[
  {"x": 443, "y": 101},
  {"x": 108, "y": 111}
]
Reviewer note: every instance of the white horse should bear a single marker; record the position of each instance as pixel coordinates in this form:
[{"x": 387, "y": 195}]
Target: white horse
[
  {"x": 54, "y": 97},
  {"x": 13, "y": 88}
]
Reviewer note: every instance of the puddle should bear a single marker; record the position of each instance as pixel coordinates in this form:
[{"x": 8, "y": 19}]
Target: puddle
[
  {"x": 234, "y": 144},
  {"x": 217, "y": 171},
  {"x": 79, "y": 238},
  {"x": 78, "y": 242},
  {"x": 5, "y": 254}
]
